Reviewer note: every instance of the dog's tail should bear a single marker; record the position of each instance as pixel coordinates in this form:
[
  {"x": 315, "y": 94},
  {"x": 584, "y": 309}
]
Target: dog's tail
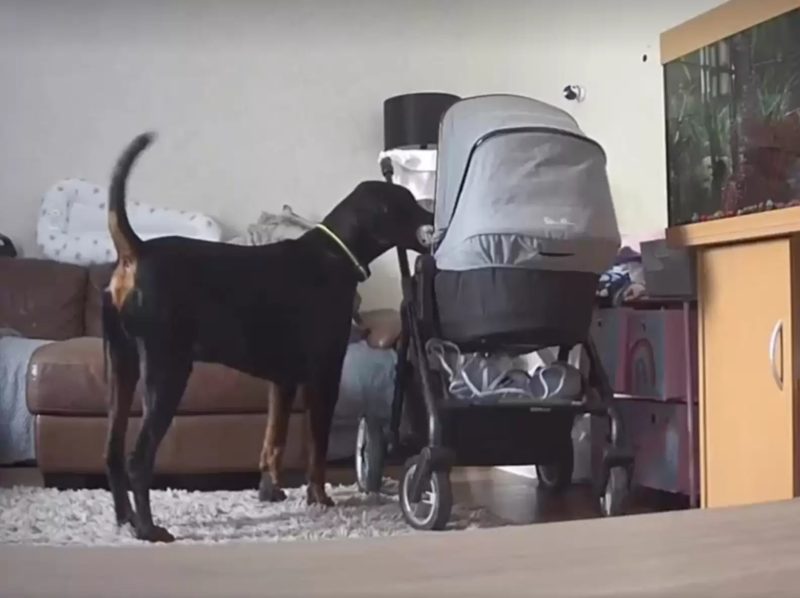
[{"x": 126, "y": 241}]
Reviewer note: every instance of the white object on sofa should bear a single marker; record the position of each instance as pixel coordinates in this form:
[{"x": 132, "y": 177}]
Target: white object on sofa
[
  {"x": 413, "y": 169},
  {"x": 271, "y": 228},
  {"x": 73, "y": 223}
]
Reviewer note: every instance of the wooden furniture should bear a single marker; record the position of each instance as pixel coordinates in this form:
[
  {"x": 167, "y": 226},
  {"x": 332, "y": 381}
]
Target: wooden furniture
[
  {"x": 748, "y": 273},
  {"x": 749, "y": 301},
  {"x": 749, "y": 327},
  {"x": 743, "y": 552},
  {"x": 718, "y": 23}
]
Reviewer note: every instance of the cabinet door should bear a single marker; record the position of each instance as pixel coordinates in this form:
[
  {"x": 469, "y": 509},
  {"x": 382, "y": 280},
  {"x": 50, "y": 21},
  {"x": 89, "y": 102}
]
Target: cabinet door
[{"x": 746, "y": 337}]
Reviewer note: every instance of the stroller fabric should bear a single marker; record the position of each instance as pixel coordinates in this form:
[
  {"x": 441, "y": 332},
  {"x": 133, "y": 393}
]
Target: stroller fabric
[{"x": 521, "y": 186}]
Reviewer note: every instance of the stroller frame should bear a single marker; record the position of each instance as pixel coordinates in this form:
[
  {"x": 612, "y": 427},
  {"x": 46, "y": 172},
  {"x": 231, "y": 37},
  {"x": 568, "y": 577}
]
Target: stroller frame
[
  {"x": 449, "y": 428},
  {"x": 426, "y": 472}
]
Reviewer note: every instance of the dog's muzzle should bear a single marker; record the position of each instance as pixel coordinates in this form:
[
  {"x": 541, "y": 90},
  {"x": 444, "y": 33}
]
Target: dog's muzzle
[{"x": 425, "y": 235}]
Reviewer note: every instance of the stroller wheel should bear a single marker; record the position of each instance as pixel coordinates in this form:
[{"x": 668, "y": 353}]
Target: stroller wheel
[
  {"x": 557, "y": 476},
  {"x": 370, "y": 450},
  {"x": 432, "y": 512},
  {"x": 614, "y": 500}
]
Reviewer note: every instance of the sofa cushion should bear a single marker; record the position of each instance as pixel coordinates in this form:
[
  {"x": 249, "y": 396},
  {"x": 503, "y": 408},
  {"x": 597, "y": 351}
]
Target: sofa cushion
[
  {"x": 98, "y": 278},
  {"x": 42, "y": 299},
  {"x": 66, "y": 378}
]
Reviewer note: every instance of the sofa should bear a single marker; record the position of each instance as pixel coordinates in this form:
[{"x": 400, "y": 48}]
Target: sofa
[{"x": 220, "y": 424}]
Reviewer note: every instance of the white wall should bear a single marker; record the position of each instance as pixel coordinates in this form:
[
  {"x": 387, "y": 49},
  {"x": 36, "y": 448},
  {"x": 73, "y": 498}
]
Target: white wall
[{"x": 261, "y": 103}]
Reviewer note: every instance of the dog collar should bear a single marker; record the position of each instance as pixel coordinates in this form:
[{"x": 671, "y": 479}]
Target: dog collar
[{"x": 363, "y": 271}]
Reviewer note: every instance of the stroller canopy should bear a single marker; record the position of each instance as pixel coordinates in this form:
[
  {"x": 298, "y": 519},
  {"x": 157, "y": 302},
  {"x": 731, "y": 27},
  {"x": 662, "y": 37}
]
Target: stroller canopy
[{"x": 520, "y": 185}]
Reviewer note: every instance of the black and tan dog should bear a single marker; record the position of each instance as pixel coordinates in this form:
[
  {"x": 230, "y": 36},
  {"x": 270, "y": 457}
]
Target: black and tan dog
[{"x": 281, "y": 312}]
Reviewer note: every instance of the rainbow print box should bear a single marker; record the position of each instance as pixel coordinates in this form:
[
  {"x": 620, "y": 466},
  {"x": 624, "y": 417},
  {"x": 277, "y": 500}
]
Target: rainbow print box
[{"x": 655, "y": 359}]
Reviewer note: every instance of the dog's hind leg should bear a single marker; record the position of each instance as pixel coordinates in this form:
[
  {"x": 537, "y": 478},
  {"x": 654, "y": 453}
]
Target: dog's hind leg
[
  {"x": 271, "y": 461},
  {"x": 122, "y": 363},
  {"x": 320, "y": 397},
  {"x": 167, "y": 369}
]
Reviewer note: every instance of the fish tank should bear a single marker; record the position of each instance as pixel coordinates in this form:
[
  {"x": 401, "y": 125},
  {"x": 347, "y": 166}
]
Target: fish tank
[{"x": 733, "y": 124}]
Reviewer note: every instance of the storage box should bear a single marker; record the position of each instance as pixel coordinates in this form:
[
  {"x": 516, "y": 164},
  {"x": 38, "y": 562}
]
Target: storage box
[
  {"x": 668, "y": 272},
  {"x": 659, "y": 437},
  {"x": 609, "y": 333},
  {"x": 655, "y": 361}
]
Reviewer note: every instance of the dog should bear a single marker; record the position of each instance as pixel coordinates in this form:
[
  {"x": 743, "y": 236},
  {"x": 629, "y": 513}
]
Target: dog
[{"x": 281, "y": 312}]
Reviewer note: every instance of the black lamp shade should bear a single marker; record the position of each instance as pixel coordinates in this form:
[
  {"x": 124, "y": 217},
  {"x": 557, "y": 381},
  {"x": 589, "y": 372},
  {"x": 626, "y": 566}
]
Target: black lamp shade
[{"x": 412, "y": 120}]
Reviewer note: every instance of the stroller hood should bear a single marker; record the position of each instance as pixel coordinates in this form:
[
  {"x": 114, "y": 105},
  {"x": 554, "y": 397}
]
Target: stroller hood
[{"x": 520, "y": 185}]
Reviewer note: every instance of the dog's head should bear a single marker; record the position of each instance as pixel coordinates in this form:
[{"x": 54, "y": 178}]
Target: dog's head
[{"x": 377, "y": 216}]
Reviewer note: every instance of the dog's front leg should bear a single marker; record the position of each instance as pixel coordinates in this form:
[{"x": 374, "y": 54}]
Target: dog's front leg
[{"x": 271, "y": 461}]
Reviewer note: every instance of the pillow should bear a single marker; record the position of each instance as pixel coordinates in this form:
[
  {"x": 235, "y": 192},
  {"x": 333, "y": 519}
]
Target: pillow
[{"x": 73, "y": 223}]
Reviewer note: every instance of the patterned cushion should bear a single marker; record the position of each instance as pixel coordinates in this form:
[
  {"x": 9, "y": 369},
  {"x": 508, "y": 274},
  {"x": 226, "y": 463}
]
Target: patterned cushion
[{"x": 73, "y": 223}]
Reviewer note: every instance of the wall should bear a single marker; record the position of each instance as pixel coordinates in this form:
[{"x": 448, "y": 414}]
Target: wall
[{"x": 261, "y": 103}]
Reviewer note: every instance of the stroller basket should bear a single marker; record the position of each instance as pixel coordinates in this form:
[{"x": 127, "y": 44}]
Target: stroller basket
[{"x": 502, "y": 378}]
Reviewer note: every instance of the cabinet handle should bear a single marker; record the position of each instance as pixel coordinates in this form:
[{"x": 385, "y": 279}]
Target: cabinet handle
[{"x": 773, "y": 343}]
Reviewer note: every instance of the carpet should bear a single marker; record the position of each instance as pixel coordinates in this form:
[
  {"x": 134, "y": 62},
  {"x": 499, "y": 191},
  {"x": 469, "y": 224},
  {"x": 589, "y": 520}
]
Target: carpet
[{"x": 47, "y": 516}]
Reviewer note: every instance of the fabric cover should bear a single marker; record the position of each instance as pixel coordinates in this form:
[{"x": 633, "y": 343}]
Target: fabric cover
[
  {"x": 73, "y": 223},
  {"x": 414, "y": 169},
  {"x": 273, "y": 227},
  {"x": 16, "y": 422},
  {"x": 515, "y": 305},
  {"x": 520, "y": 185}
]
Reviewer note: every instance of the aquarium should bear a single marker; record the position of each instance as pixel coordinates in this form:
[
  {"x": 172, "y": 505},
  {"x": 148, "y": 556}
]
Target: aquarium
[{"x": 733, "y": 124}]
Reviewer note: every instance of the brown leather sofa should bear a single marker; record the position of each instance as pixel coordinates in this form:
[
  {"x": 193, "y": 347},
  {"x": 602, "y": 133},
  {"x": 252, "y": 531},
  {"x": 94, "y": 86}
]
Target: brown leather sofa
[{"x": 220, "y": 423}]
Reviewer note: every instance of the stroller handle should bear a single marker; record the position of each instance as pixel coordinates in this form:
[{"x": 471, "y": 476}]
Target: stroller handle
[
  {"x": 402, "y": 258},
  {"x": 387, "y": 170}
]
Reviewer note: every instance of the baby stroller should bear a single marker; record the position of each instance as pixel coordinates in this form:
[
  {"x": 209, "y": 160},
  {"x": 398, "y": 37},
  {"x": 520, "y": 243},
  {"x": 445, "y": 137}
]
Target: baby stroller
[{"x": 524, "y": 225}]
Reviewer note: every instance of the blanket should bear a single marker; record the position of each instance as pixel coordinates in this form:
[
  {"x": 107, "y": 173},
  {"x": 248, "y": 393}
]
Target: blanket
[
  {"x": 16, "y": 422},
  {"x": 367, "y": 388}
]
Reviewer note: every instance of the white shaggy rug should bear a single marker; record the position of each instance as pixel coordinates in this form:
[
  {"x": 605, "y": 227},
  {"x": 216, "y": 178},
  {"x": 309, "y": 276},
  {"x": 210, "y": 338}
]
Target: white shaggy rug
[{"x": 86, "y": 517}]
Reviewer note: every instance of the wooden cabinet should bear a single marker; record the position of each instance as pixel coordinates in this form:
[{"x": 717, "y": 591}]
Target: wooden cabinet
[
  {"x": 746, "y": 232},
  {"x": 747, "y": 315}
]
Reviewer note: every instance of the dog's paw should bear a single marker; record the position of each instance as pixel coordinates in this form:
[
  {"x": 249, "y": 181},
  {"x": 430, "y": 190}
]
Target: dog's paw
[
  {"x": 269, "y": 492},
  {"x": 127, "y": 517},
  {"x": 317, "y": 496},
  {"x": 154, "y": 534}
]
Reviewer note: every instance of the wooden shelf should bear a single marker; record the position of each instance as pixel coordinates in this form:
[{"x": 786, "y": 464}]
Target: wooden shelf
[
  {"x": 762, "y": 225},
  {"x": 718, "y": 23},
  {"x": 658, "y": 302},
  {"x": 621, "y": 396}
]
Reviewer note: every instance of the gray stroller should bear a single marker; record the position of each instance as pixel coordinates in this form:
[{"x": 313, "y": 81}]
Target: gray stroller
[{"x": 524, "y": 226}]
